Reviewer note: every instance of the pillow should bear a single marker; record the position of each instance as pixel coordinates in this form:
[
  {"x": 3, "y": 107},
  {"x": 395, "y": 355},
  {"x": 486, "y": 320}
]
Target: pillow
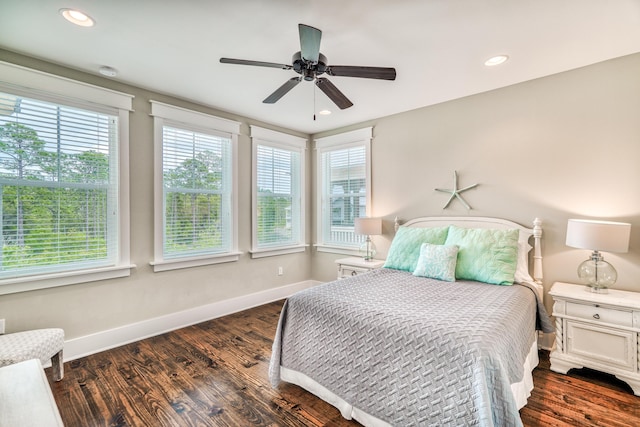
[
  {"x": 484, "y": 254},
  {"x": 437, "y": 262},
  {"x": 405, "y": 247},
  {"x": 522, "y": 265}
]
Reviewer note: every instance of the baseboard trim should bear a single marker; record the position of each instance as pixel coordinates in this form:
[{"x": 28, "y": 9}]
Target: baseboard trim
[{"x": 111, "y": 338}]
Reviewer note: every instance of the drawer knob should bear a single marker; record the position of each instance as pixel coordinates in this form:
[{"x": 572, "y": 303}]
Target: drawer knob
[
  {"x": 353, "y": 273},
  {"x": 596, "y": 316}
]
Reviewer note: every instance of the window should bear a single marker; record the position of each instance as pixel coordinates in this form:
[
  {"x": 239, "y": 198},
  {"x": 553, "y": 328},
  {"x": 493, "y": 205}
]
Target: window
[
  {"x": 64, "y": 217},
  {"x": 195, "y": 197},
  {"x": 344, "y": 171},
  {"x": 278, "y": 189}
]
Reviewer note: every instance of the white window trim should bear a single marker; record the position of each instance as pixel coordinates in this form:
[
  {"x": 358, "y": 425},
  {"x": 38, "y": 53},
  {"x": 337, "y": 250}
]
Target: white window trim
[
  {"x": 345, "y": 140},
  {"x": 39, "y": 85},
  {"x": 273, "y": 138},
  {"x": 169, "y": 114},
  {"x": 37, "y": 82}
]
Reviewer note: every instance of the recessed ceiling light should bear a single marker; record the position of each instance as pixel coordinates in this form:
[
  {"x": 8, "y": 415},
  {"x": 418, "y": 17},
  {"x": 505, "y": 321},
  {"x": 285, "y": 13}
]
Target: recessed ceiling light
[
  {"x": 108, "y": 71},
  {"x": 324, "y": 112},
  {"x": 77, "y": 17},
  {"x": 496, "y": 60}
]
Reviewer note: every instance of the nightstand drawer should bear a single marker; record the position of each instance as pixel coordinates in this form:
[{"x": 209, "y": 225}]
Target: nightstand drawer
[
  {"x": 353, "y": 266},
  {"x": 600, "y": 314},
  {"x": 347, "y": 271}
]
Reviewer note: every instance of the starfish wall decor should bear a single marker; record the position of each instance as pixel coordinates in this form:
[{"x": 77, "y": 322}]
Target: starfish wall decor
[{"x": 455, "y": 192}]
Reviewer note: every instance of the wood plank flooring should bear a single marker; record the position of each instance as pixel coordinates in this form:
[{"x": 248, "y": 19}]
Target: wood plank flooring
[{"x": 215, "y": 374}]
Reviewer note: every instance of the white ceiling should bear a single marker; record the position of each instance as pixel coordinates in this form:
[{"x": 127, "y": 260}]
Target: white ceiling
[{"x": 437, "y": 47}]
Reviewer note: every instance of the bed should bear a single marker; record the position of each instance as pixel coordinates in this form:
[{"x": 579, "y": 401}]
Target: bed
[{"x": 396, "y": 347}]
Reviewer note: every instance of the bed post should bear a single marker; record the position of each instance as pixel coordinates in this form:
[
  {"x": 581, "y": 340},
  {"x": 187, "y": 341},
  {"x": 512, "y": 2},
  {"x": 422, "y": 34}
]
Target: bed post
[{"x": 537, "y": 252}]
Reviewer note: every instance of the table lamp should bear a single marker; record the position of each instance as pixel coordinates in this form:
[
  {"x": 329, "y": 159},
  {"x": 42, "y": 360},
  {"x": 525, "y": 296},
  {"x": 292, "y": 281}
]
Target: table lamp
[
  {"x": 598, "y": 236},
  {"x": 369, "y": 227}
]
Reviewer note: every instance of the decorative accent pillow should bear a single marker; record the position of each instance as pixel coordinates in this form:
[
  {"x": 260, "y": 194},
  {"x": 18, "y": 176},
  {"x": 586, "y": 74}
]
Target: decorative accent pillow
[
  {"x": 485, "y": 255},
  {"x": 405, "y": 247},
  {"x": 437, "y": 262}
]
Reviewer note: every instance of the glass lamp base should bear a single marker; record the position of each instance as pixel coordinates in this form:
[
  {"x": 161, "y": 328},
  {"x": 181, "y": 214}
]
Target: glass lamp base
[
  {"x": 367, "y": 249},
  {"x": 598, "y": 289},
  {"x": 598, "y": 274}
]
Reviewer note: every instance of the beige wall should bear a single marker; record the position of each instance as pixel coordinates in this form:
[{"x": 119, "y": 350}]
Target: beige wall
[
  {"x": 563, "y": 146},
  {"x": 88, "y": 308},
  {"x": 559, "y": 147}
]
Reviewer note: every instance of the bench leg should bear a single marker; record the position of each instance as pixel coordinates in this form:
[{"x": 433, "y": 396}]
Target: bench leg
[{"x": 57, "y": 366}]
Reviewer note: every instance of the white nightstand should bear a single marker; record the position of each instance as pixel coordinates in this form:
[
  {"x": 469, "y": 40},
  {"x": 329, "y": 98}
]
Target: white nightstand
[
  {"x": 353, "y": 266},
  {"x": 599, "y": 331}
]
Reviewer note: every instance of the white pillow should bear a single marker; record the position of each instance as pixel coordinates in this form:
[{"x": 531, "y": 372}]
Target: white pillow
[
  {"x": 522, "y": 263},
  {"x": 437, "y": 262}
]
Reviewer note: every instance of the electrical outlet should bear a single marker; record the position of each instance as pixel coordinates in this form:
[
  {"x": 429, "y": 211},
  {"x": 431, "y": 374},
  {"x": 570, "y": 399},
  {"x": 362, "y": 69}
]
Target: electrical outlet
[
  {"x": 280, "y": 271},
  {"x": 1, "y": 326}
]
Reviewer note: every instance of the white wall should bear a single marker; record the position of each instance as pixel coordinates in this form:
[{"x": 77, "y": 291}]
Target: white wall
[{"x": 559, "y": 147}]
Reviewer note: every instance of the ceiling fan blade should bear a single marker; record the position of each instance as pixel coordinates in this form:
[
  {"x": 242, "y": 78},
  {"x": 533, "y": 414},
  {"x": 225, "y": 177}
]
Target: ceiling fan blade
[
  {"x": 364, "y": 72},
  {"x": 333, "y": 93},
  {"x": 282, "y": 90},
  {"x": 309, "y": 42},
  {"x": 256, "y": 63}
]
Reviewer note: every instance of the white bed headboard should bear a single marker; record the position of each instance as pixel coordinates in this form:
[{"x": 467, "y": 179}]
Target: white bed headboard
[{"x": 486, "y": 222}]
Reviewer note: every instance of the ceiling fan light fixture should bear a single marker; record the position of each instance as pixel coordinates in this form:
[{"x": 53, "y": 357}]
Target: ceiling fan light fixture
[
  {"x": 76, "y": 17},
  {"x": 496, "y": 60},
  {"x": 309, "y": 75},
  {"x": 324, "y": 112}
]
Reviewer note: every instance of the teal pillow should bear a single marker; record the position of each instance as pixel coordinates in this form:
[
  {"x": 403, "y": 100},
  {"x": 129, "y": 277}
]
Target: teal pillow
[
  {"x": 437, "y": 262},
  {"x": 485, "y": 255},
  {"x": 405, "y": 247}
]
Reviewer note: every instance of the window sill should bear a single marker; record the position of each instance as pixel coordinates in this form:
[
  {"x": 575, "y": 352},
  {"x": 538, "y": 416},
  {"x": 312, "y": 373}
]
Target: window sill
[
  {"x": 343, "y": 250},
  {"x": 175, "y": 264},
  {"x": 263, "y": 253},
  {"x": 43, "y": 281}
]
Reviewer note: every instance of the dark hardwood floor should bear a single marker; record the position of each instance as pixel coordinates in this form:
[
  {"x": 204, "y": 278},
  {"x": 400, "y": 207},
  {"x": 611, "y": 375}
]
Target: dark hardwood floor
[{"x": 215, "y": 374}]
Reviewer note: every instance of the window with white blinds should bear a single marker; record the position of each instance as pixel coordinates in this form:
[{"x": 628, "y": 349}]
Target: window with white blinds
[
  {"x": 195, "y": 187},
  {"x": 196, "y": 172},
  {"x": 278, "y": 199},
  {"x": 344, "y": 188},
  {"x": 58, "y": 187}
]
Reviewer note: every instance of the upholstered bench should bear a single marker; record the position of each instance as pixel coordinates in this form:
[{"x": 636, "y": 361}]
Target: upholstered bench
[{"x": 43, "y": 344}]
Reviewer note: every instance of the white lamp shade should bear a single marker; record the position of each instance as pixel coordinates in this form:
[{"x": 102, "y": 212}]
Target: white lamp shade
[
  {"x": 368, "y": 226},
  {"x": 595, "y": 235}
]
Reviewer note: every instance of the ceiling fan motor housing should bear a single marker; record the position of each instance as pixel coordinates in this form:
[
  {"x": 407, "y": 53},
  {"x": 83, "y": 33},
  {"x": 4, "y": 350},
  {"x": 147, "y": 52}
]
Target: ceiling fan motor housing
[{"x": 308, "y": 69}]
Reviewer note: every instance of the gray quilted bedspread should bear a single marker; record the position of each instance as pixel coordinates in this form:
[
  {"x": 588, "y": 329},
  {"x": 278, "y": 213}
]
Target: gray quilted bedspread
[{"x": 412, "y": 351}]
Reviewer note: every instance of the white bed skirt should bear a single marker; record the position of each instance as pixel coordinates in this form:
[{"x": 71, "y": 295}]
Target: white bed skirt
[{"x": 521, "y": 391}]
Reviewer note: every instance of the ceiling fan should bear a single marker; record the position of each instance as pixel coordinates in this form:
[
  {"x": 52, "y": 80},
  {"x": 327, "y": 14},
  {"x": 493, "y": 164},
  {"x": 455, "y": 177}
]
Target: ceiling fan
[{"x": 310, "y": 64}]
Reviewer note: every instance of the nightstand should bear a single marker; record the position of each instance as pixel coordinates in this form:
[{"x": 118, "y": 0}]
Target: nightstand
[
  {"x": 599, "y": 331},
  {"x": 353, "y": 266}
]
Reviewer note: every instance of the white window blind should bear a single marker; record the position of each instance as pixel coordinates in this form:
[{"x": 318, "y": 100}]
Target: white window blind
[
  {"x": 278, "y": 204},
  {"x": 343, "y": 188},
  {"x": 346, "y": 194},
  {"x": 195, "y": 174},
  {"x": 58, "y": 187},
  {"x": 278, "y": 193},
  {"x": 197, "y": 191}
]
